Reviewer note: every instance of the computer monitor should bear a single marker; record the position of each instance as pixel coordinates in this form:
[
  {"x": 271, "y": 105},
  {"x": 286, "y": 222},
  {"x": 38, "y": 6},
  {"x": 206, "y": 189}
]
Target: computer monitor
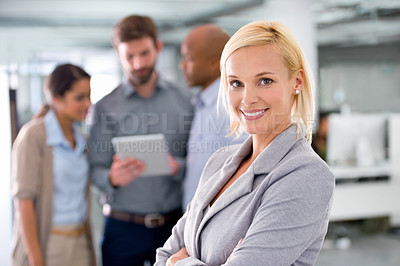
[{"x": 356, "y": 139}]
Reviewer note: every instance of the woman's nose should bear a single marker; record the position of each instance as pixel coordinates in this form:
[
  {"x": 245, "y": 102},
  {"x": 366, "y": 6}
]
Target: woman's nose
[
  {"x": 88, "y": 102},
  {"x": 249, "y": 97}
]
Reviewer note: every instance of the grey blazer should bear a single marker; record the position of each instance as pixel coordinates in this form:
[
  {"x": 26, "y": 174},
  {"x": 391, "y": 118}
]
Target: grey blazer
[{"x": 279, "y": 207}]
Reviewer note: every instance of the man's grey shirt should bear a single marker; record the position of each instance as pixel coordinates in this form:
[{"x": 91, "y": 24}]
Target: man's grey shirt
[{"x": 124, "y": 112}]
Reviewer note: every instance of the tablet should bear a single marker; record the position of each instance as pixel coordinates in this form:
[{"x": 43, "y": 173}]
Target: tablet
[{"x": 151, "y": 149}]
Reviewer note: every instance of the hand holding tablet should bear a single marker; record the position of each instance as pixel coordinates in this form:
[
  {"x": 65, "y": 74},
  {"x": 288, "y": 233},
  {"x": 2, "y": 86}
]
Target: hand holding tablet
[
  {"x": 124, "y": 171},
  {"x": 152, "y": 150}
]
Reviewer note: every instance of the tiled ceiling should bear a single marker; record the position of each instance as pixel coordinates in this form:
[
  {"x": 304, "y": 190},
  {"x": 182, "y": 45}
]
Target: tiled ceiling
[{"x": 88, "y": 23}]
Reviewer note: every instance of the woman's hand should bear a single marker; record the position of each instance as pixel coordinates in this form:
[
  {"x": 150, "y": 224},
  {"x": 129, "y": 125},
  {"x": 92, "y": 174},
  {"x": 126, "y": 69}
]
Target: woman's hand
[
  {"x": 180, "y": 255},
  {"x": 30, "y": 232},
  {"x": 36, "y": 260}
]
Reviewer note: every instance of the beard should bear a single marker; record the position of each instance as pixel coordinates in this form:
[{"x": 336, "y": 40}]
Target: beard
[{"x": 141, "y": 76}]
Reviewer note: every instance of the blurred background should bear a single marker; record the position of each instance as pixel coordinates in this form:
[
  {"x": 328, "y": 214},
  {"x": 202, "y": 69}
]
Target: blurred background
[{"x": 353, "y": 47}]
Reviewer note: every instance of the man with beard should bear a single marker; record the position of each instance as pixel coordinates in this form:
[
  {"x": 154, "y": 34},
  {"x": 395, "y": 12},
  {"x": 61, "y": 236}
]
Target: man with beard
[{"x": 140, "y": 211}]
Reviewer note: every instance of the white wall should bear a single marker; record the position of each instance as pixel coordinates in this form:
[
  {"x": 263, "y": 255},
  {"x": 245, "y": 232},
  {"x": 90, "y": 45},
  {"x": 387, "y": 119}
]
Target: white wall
[
  {"x": 5, "y": 199},
  {"x": 366, "y": 78},
  {"x": 297, "y": 15}
]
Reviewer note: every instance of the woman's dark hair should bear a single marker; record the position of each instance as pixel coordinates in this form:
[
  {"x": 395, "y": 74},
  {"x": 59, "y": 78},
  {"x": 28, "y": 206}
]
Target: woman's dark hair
[
  {"x": 62, "y": 78},
  {"x": 134, "y": 27}
]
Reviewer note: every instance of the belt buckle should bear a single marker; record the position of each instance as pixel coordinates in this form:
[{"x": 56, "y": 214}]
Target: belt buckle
[{"x": 154, "y": 220}]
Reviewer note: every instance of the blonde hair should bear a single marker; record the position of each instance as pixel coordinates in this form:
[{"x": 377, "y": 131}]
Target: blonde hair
[{"x": 280, "y": 38}]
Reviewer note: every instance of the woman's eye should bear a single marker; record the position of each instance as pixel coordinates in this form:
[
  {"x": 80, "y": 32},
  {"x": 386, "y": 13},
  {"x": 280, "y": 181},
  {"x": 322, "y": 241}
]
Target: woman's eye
[
  {"x": 236, "y": 84},
  {"x": 266, "y": 81}
]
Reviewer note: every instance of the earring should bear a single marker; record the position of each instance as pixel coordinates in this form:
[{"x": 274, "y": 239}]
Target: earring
[{"x": 297, "y": 91}]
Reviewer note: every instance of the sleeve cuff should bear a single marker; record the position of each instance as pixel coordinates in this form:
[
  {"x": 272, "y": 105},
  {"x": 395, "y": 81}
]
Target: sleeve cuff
[{"x": 101, "y": 179}]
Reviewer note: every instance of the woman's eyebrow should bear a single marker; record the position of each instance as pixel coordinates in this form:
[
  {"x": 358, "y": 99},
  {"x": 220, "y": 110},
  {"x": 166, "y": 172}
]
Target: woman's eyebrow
[{"x": 265, "y": 73}]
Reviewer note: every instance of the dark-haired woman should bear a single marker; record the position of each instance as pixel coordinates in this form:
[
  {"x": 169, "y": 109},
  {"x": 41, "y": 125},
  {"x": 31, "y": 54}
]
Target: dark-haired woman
[{"x": 50, "y": 178}]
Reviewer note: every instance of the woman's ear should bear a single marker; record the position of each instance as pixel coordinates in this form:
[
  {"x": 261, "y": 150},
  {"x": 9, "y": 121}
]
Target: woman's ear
[
  {"x": 299, "y": 81},
  {"x": 56, "y": 101}
]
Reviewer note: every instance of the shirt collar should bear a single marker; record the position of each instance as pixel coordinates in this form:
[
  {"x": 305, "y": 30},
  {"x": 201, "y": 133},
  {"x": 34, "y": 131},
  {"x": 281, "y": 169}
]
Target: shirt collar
[
  {"x": 129, "y": 90},
  {"x": 55, "y": 136},
  {"x": 79, "y": 139},
  {"x": 208, "y": 96},
  {"x": 127, "y": 87},
  {"x": 273, "y": 153}
]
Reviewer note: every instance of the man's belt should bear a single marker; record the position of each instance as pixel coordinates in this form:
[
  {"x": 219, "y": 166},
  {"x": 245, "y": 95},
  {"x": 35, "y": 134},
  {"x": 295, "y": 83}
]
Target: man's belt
[{"x": 149, "y": 220}]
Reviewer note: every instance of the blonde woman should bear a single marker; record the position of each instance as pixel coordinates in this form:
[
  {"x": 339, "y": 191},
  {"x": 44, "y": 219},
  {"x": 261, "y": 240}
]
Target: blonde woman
[
  {"x": 267, "y": 201},
  {"x": 50, "y": 173}
]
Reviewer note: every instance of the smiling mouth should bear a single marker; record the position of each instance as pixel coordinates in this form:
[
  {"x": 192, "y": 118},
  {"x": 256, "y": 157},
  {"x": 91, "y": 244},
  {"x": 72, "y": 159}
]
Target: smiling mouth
[{"x": 253, "y": 114}]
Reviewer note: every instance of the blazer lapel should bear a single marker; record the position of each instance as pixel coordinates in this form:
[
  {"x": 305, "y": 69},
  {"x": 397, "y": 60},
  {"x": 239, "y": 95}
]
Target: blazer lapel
[
  {"x": 239, "y": 188},
  {"x": 276, "y": 151},
  {"x": 264, "y": 164},
  {"x": 242, "y": 186},
  {"x": 214, "y": 184}
]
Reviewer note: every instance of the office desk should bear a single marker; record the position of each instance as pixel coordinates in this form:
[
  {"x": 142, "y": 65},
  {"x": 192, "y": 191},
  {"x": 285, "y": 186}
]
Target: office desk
[{"x": 370, "y": 198}]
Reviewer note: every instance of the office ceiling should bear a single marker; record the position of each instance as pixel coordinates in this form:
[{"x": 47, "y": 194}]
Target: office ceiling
[{"x": 88, "y": 23}]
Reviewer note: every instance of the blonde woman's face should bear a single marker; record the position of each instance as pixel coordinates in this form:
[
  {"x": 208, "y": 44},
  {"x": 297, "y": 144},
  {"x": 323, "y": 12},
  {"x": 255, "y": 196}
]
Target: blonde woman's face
[{"x": 260, "y": 91}]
